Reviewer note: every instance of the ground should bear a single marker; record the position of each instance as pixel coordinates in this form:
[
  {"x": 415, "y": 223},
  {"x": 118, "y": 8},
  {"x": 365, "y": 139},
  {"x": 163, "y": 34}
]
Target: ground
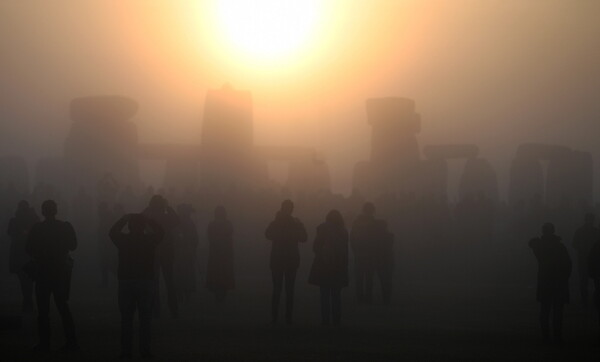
[{"x": 427, "y": 322}]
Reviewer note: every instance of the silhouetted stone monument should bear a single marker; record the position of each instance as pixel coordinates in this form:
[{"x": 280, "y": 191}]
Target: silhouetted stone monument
[
  {"x": 102, "y": 139},
  {"x": 394, "y": 147},
  {"x": 568, "y": 178}
]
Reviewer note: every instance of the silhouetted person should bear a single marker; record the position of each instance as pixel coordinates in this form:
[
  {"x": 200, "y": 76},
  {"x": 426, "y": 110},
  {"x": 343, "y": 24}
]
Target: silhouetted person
[
  {"x": 160, "y": 211},
  {"x": 18, "y": 229},
  {"x": 49, "y": 244},
  {"x": 593, "y": 263},
  {"x": 136, "y": 276},
  {"x": 383, "y": 255},
  {"x": 330, "y": 266},
  {"x": 584, "y": 239},
  {"x": 105, "y": 220},
  {"x": 554, "y": 270},
  {"x": 219, "y": 271},
  {"x": 186, "y": 236},
  {"x": 285, "y": 232},
  {"x": 364, "y": 231}
]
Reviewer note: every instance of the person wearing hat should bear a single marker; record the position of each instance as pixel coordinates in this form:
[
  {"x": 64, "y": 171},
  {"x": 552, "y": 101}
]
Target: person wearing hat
[{"x": 554, "y": 270}]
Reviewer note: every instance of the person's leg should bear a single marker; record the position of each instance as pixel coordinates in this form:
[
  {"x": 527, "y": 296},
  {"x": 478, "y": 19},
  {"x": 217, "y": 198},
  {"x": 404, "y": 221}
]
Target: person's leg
[
  {"x": 61, "y": 297},
  {"x": 144, "y": 303},
  {"x": 127, "y": 308},
  {"x": 359, "y": 276},
  {"x": 277, "y": 276},
  {"x": 369, "y": 275},
  {"x": 385, "y": 279},
  {"x": 325, "y": 305},
  {"x": 336, "y": 305},
  {"x": 545, "y": 320},
  {"x": 156, "y": 290},
  {"x": 26, "y": 291},
  {"x": 583, "y": 281},
  {"x": 557, "y": 320},
  {"x": 290, "y": 281},
  {"x": 42, "y": 298},
  {"x": 167, "y": 267}
]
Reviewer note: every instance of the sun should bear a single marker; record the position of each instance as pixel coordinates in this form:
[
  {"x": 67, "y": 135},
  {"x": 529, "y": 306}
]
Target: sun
[{"x": 267, "y": 31}]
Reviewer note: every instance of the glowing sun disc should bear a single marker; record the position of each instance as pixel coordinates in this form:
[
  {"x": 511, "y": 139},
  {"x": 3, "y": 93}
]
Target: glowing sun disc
[{"x": 267, "y": 29}]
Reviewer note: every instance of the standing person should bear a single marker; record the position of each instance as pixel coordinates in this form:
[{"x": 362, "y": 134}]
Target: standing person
[
  {"x": 584, "y": 239},
  {"x": 136, "y": 277},
  {"x": 383, "y": 244},
  {"x": 49, "y": 244},
  {"x": 330, "y": 266},
  {"x": 18, "y": 229},
  {"x": 364, "y": 230},
  {"x": 186, "y": 235},
  {"x": 285, "y": 233},
  {"x": 219, "y": 271},
  {"x": 554, "y": 270},
  {"x": 160, "y": 211},
  {"x": 104, "y": 222},
  {"x": 594, "y": 273}
]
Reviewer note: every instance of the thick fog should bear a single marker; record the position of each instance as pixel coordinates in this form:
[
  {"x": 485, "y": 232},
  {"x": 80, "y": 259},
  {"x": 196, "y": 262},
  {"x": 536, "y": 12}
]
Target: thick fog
[
  {"x": 496, "y": 74},
  {"x": 445, "y": 151}
]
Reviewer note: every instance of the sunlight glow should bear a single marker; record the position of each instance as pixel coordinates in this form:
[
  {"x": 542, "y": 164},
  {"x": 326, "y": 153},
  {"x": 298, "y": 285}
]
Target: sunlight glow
[{"x": 267, "y": 31}]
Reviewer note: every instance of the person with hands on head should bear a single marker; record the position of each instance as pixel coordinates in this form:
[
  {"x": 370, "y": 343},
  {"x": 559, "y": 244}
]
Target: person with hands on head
[
  {"x": 160, "y": 211},
  {"x": 136, "y": 276}
]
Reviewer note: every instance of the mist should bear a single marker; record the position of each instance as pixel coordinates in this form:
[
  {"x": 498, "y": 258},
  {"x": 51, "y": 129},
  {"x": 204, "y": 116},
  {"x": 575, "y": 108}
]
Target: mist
[{"x": 467, "y": 124}]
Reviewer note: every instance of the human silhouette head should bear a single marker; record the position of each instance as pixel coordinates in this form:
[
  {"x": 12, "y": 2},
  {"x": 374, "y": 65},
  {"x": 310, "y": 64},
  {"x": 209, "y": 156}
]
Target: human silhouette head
[
  {"x": 220, "y": 213},
  {"x": 590, "y": 219},
  {"x": 49, "y": 209},
  {"x": 22, "y": 206},
  {"x": 157, "y": 202},
  {"x": 369, "y": 209},
  {"x": 334, "y": 217},
  {"x": 287, "y": 207},
  {"x": 136, "y": 224},
  {"x": 548, "y": 229}
]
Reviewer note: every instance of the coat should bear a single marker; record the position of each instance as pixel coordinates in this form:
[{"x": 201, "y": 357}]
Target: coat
[
  {"x": 364, "y": 231},
  {"x": 554, "y": 269},
  {"x": 285, "y": 232},
  {"x": 330, "y": 266}
]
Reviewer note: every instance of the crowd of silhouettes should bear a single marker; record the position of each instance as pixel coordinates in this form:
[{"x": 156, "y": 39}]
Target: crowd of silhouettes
[{"x": 144, "y": 237}]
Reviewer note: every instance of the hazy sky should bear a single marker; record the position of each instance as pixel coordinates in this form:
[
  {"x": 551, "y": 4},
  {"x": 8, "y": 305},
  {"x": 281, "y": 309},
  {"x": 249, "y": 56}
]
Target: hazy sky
[{"x": 494, "y": 73}]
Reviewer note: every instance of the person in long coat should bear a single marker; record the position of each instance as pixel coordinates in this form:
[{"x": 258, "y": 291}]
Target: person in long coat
[
  {"x": 219, "y": 272},
  {"x": 554, "y": 270},
  {"x": 18, "y": 230},
  {"x": 330, "y": 267}
]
